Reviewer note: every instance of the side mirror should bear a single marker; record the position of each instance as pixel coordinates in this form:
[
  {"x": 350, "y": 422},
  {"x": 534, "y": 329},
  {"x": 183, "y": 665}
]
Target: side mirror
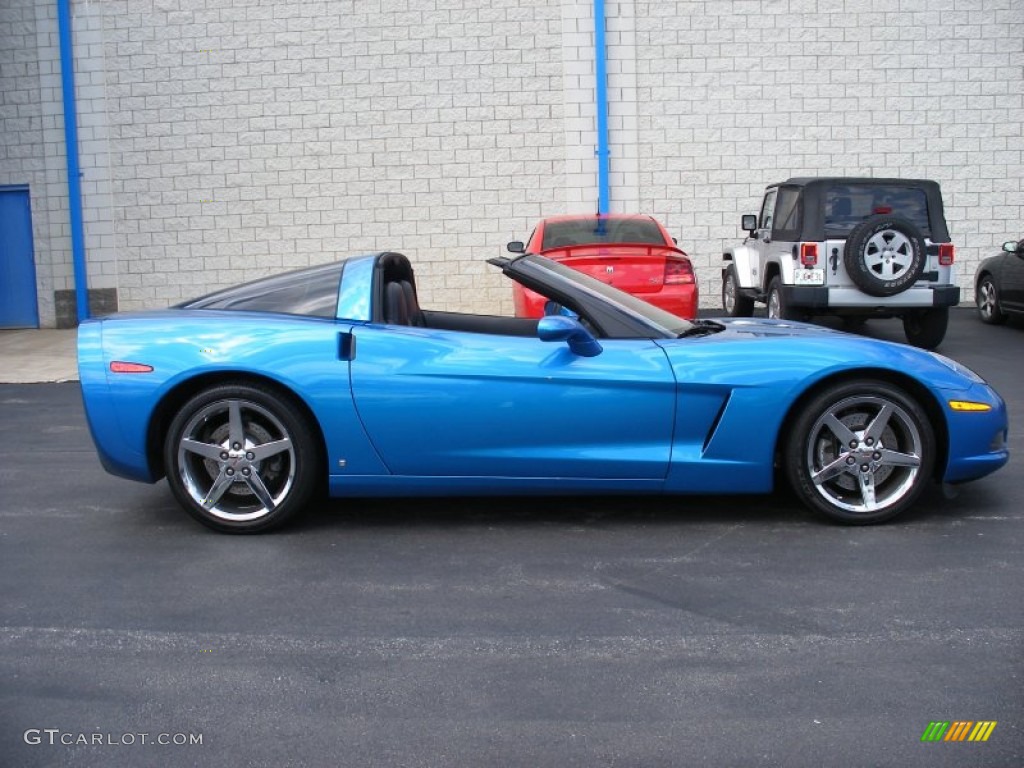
[
  {"x": 516, "y": 246},
  {"x": 1012, "y": 247},
  {"x": 568, "y": 329},
  {"x": 749, "y": 223}
]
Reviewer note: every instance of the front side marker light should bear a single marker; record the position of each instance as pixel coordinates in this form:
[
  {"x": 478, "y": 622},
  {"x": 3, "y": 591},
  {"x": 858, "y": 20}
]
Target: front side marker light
[
  {"x": 967, "y": 406},
  {"x": 119, "y": 366}
]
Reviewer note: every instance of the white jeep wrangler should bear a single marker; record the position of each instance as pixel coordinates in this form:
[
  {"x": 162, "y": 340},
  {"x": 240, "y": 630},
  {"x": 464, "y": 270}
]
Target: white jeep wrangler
[{"x": 856, "y": 248}]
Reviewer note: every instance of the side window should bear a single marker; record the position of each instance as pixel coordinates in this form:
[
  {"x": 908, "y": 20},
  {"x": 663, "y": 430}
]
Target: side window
[
  {"x": 787, "y": 215},
  {"x": 768, "y": 211}
]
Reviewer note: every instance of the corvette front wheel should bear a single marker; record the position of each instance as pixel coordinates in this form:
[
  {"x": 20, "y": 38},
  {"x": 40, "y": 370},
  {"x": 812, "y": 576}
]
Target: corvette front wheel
[
  {"x": 860, "y": 452},
  {"x": 240, "y": 458}
]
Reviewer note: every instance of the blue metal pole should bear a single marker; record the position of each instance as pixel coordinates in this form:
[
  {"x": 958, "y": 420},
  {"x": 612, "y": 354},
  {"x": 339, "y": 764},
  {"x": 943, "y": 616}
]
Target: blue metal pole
[
  {"x": 67, "y": 79},
  {"x": 601, "y": 76}
]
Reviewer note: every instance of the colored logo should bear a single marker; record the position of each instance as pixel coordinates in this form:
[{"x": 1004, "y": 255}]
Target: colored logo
[{"x": 959, "y": 730}]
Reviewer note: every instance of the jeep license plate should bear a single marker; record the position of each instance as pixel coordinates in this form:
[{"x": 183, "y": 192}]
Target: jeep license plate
[{"x": 809, "y": 277}]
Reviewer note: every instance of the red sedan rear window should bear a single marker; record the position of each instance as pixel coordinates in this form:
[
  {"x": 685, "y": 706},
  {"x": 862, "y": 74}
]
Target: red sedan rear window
[{"x": 561, "y": 234}]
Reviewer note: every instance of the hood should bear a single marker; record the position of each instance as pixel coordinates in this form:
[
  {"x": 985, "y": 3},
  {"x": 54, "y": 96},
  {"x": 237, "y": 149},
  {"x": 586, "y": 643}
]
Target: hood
[
  {"x": 746, "y": 345},
  {"x": 761, "y": 326}
]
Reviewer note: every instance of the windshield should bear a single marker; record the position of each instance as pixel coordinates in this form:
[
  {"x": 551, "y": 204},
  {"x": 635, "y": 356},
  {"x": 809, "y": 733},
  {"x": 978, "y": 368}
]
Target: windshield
[
  {"x": 563, "y": 234},
  {"x": 662, "y": 323},
  {"x": 312, "y": 292}
]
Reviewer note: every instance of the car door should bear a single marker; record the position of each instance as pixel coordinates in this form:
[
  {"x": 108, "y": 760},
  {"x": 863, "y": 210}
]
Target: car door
[
  {"x": 1012, "y": 280},
  {"x": 455, "y": 404},
  {"x": 773, "y": 241},
  {"x": 762, "y": 240}
]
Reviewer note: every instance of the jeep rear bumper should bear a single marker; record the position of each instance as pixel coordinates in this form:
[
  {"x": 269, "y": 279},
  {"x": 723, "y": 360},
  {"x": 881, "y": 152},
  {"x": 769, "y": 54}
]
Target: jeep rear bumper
[{"x": 825, "y": 298}]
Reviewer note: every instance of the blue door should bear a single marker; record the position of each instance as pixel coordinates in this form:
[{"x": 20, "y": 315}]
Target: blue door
[
  {"x": 448, "y": 404},
  {"x": 18, "y": 306}
]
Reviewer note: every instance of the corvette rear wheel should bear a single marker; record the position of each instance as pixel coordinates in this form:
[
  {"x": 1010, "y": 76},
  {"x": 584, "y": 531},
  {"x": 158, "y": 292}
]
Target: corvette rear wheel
[
  {"x": 860, "y": 452},
  {"x": 240, "y": 458}
]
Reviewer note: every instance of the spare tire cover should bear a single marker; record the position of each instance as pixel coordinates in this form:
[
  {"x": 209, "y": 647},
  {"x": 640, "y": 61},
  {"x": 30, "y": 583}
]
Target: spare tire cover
[{"x": 884, "y": 255}]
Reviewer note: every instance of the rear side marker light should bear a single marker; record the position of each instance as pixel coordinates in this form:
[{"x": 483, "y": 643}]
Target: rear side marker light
[
  {"x": 678, "y": 271},
  {"x": 969, "y": 407},
  {"x": 808, "y": 254},
  {"x": 946, "y": 251},
  {"x": 121, "y": 367}
]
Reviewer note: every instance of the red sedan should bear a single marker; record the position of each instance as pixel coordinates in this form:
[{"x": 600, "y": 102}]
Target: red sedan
[{"x": 632, "y": 252}]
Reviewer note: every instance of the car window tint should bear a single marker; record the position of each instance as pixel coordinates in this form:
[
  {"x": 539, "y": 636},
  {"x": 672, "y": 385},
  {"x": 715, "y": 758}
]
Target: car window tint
[
  {"x": 787, "y": 213},
  {"x": 849, "y": 204},
  {"x": 311, "y": 292},
  {"x": 561, "y": 234},
  {"x": 768, "y": 210}
]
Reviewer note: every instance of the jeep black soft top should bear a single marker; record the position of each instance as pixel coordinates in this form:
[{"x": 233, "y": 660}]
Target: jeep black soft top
[{"x": 814, "y": 189}]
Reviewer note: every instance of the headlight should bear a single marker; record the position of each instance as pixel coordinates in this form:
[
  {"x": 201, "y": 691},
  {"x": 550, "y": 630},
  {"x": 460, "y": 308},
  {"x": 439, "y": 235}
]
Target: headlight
[{"x": 960, "y": 368}]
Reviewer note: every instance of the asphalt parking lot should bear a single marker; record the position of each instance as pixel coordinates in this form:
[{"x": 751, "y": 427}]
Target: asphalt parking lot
[{"x": 508, "y": 632}]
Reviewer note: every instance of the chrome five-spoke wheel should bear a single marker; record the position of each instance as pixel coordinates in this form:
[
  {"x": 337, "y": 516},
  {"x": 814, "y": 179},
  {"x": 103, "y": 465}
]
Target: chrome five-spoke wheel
[
  {"x": 239, "y": 458},
  {"x": 861, "y": 452}
]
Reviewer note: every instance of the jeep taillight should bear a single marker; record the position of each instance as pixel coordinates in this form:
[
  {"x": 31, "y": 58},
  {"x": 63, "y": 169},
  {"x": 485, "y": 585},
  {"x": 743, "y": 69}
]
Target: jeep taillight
[
  {"x": 678, "y": 271},
  {"x": 946, "y": 254},
  {"x": 808, "y": 254}
]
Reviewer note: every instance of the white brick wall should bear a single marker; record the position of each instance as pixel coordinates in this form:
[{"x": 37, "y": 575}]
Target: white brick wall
[
  {"x": 735, "y": 94},
  {"x": 226, "y": 139},
  {"x": 247, "y": 137}
]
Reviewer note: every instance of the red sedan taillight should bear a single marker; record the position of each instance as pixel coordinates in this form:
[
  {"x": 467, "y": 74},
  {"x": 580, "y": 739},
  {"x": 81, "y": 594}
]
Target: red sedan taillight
[
  {"x": 678, "y": 271},
  {"x": 946, "y": 254}
]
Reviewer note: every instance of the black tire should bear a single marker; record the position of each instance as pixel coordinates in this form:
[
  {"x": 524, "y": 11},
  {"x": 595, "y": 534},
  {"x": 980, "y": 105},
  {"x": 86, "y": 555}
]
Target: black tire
[
  {"x": 778, "y": 308},
  {"x": 735, "y": 303},
  {"x": 926, "y": 328},
  {"x": 884, "y": 255},
  {"x": 860, "y": 452},
  {"x": 986, "y": 297},
  {"x": 240, "y": 458}
]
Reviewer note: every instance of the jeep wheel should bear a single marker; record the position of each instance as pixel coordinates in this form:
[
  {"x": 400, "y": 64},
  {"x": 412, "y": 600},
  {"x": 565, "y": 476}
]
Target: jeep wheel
[
  {"x": 926, "y": 328},
  {"x": 778, "y": 308},
  {"x": 735, "y": 303},
  {"x": 884, "y": 255}
]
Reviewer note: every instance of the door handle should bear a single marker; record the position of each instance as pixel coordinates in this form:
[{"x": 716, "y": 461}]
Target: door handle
[{"x": 346, "y": 346}]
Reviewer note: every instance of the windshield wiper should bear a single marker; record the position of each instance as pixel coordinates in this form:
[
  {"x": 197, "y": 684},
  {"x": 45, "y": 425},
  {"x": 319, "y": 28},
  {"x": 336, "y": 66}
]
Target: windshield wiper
[{"x": 701, "y": 328}]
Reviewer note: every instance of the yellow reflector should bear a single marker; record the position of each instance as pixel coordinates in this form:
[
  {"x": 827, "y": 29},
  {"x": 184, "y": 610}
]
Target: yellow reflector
[{"x": 967, "y": 405}]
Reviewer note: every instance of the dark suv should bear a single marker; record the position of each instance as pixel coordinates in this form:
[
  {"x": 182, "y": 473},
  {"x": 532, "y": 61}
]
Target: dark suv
[{"x": 856, "y": 248}]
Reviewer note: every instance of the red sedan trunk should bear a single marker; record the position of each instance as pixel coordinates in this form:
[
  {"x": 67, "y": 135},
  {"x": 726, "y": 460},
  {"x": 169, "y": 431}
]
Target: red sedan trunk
[{"x": 652, "y": 269}]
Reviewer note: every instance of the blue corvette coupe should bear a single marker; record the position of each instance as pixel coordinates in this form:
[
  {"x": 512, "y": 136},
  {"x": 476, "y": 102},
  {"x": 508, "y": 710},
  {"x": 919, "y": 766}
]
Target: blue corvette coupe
[{"x": 253, "y": 398}]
